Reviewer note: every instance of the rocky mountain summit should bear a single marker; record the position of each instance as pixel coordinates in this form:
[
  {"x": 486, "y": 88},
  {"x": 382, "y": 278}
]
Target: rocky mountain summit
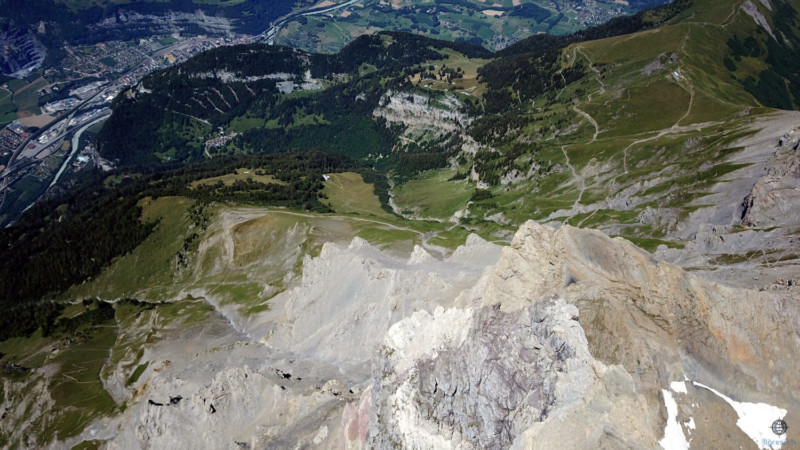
[
  {"x": 573, "y": 330},
  {"x": 565, "y": 338}
]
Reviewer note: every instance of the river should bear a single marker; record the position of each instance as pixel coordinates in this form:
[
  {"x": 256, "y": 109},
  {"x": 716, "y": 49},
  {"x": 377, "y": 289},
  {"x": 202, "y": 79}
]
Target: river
[{"x": 76, "y": 139}]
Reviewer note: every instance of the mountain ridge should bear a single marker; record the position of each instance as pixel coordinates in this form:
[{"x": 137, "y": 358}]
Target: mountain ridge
[{"x": 401, "y": 246}]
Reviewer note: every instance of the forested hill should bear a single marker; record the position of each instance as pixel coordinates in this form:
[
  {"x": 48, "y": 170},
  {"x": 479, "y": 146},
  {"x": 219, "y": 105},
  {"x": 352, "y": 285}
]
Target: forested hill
[
  {"x": 300, "y": 100},
  {"x": 70, "y": 239},
  {"x": 172, "y": 113}
]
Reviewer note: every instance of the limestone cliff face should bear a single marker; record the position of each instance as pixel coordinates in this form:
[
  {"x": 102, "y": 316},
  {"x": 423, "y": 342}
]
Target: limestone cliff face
[
  {"x": 486, "y": 383},
  {"x": 426, "y": 118},
  {"x": 168, "y": 22},
  {"x": 636, "y": 310},
  {"x": 573, "y": 329},
  {"x": 422, "y": 111},
  {"x": 774, "y": 198}
]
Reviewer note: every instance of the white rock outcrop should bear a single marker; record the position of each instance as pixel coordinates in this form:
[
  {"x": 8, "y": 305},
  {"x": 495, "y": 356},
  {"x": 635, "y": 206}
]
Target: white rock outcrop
[{"x": 422, "y": 111}]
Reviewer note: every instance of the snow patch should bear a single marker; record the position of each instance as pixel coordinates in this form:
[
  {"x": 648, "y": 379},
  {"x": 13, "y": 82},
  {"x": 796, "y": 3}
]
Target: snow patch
[
  {"x": 754, "y": 418},
  {"x": 678, "y": 386},
  {"x": 673, "y": 435},
  {"x": 690, "y": 424}
]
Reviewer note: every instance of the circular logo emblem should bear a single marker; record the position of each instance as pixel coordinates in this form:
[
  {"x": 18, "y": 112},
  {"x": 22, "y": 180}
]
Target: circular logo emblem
[{"x": 779, "y": 427}]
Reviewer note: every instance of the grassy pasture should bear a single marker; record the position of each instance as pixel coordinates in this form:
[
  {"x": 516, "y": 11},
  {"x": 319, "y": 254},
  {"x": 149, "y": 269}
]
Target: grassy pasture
[
  {"x": 453, "y": 59},
  {"x": 242, "y": 174},
  {"x": 348, "y": 194},
  {"x": 432, "y": 195},
  {"x": 26, "y": 98}
]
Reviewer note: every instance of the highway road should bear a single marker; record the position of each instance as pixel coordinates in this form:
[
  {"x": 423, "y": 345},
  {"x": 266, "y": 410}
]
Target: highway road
[{"x": 268, "y": 36}]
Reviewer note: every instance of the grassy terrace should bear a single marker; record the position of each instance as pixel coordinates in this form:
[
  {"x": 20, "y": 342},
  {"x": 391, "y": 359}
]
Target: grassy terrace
[
  {"x": 432, "y": 195},
  {"x": 452, "y": 59},
  {"x": 242, "y": 174},
  {"x": 347, "y": 193},
  {"x": 248, "y": 252}
]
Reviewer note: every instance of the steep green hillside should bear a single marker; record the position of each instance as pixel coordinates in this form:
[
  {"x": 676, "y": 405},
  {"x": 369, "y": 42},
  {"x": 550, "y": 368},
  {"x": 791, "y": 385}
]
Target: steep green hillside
[
  {"x": 591, "y": 129},
  {"x": 653, "y": 105},
  {"x": 304, "y": 101}
]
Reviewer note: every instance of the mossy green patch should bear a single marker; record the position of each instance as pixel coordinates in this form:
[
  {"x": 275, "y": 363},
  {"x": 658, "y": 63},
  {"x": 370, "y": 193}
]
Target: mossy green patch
[
  {"x": 87, "y": 445},
  {"x": 188, "y": 311},
  {"x": 452, "y": 238},
  {"x": 28, "y": 352},
  {"x": 383, "y": 236},
  {"x": 137, "y": 373},
  {"x": 242, "y": 124},
  {"x": 16, "y": 84}
]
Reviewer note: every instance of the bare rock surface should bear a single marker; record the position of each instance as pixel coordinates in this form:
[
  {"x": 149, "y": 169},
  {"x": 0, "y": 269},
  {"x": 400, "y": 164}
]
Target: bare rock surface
[
  {"x": 572, "y": 329},
  {"x": 565, "y": 338},
  {"x": 744, "y": 232},
  {"x": 424, "y": 116},
  {"x": 491, "y": 383},
  {"x": 422, "y": 112},
  {"x": 283, "y": 377}
]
